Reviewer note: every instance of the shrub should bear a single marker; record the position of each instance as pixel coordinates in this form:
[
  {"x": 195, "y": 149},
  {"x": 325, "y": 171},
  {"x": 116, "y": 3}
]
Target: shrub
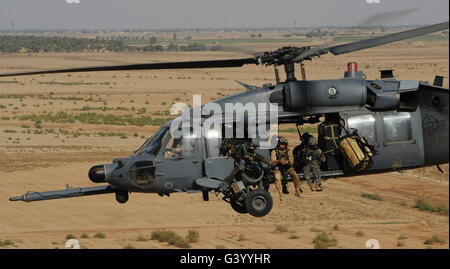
[
  {"x": 170, "y": 237},
  {"x": 99, "y": 235},
  {"x": 359, "y": 233},
  {"x": 241, "y": 238},
  {"x": 322, "y": 241},
  {"x": 84, "y": 235},
  {"x": 434, "y": 239},
  {"x": 294, "y": 236},
  {"x": 142, "y": 238},
  {"x": 70, "y": 236},
  {"x": 281, "y": 229},
  {"x": 129, "y": 246},
  {"x": 423, "y": 205},
  {"x": 6, "y": 243},
  {"x": 192, "y": 236},
  {"x": 372, "y": 196}
]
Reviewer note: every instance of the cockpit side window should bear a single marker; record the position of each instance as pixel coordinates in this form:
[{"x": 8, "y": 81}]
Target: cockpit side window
[
  {"x": 177, "y": 148},
  {"x": 153, "y": 144}
]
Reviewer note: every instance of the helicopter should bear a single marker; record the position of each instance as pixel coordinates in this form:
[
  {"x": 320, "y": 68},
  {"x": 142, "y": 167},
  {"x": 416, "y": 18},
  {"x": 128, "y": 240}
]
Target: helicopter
[{"x": 403, "y": 124}]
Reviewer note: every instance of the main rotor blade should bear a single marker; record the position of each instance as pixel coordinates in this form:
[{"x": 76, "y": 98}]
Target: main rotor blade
[
  {"x": 147, "y": 66},
  {"x": 370, "y": 43},
  {"x": 378, "y": 41}
]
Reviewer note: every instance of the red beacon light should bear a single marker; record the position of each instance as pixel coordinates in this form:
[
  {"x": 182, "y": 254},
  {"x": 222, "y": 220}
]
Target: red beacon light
[
  {"x": 352, "y": 71},
  {"x": 352, "y": 67}
]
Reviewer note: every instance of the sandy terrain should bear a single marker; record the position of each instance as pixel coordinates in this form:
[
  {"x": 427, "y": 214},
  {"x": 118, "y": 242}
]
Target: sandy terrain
[{"x": 46, "y": 157}]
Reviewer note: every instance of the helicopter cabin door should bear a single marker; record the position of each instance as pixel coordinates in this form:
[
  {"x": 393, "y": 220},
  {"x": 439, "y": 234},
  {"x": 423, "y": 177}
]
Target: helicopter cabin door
[
  {"x": 395, "y": 136},
  {"x": 179, "y": 162}
]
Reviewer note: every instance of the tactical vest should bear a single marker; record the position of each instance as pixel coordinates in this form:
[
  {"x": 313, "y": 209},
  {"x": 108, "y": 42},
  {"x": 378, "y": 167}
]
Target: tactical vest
[
  {"x": 315, "y": 154},
  {"x": 281, "y": 155}
]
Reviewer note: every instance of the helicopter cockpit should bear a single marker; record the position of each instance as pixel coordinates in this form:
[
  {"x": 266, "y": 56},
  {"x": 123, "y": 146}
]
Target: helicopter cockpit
[{"x": 153, "y": 144}]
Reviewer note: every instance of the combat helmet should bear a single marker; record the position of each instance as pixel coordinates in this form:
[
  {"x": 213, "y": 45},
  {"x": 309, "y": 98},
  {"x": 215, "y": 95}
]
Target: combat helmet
[
  {"x": 312, "y": 142},
  {"x": 282, "y": 141},
  {"x": 306, "y": 136}
]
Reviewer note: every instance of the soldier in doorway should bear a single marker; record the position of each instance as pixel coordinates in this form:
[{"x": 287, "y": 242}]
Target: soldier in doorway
[
  {"x": 313, "y": 157},
  {"x": 280, "y": 156}
]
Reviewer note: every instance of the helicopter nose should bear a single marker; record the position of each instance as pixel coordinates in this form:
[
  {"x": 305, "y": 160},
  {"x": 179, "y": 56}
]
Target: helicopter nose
[{"x": 97, "y": 174}]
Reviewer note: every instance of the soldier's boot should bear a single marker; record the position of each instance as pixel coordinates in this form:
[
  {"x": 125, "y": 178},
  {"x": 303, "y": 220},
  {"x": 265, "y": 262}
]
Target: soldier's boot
[
  {"x": 297, "y": 191},
  {"x": 285, "y": 189},
  {"x": 318, "y": 187},
  {"x": 281, "y": 195},
  {"x": 311, "y": 186}
]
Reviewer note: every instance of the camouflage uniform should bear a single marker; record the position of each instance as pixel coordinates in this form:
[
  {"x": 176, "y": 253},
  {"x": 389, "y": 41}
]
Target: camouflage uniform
[
  {"x": 299, "y": 160},
  {"x": 276, "y": 156},
  {"x": 240, "y": 149},
  {"x": 313, "y": 157}
]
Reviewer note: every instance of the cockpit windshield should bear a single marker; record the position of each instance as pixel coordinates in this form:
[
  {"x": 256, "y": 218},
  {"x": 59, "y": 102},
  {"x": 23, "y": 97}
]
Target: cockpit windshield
[{"x": 153, "y": 144}]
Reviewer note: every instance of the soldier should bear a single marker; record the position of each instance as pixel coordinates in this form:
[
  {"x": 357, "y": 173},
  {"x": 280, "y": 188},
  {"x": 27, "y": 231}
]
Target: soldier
[
  {"x": 299, "y": 160},
  {"x": 240, "y": 149},
  {"x": 176, "y": 149},
  {"x": 280, "y": 156},
  {"x": 313, "y": 156}
]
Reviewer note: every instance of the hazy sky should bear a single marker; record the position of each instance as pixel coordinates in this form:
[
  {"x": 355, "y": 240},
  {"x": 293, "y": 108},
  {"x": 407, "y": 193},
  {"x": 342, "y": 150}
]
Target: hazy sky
[{"x": 145, "y": 14}]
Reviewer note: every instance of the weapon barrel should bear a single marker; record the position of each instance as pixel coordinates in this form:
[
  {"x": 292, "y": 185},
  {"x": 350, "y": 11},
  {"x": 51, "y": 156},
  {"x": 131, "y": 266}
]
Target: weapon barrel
[{"x": 67, "y": 193}]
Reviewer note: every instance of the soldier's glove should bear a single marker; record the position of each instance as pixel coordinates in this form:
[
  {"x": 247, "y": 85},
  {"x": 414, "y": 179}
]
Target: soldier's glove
[{"x": 284, "y": 161}]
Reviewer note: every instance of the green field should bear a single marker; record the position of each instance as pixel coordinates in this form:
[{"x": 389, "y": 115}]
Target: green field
[{"x": 337, "y": 39}]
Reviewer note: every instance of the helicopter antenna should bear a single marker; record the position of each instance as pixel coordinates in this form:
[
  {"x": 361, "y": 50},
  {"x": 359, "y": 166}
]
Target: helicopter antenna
[{"x": 302, "y": 68}]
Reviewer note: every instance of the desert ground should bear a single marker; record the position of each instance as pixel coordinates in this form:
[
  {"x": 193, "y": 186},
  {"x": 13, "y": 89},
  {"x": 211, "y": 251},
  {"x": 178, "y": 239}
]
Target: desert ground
[{"x": 46, "y": 154}]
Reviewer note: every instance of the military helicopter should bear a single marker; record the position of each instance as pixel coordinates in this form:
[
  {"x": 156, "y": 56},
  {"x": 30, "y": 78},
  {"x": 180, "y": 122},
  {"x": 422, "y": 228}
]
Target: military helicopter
[{"x": 405, "y": 123}]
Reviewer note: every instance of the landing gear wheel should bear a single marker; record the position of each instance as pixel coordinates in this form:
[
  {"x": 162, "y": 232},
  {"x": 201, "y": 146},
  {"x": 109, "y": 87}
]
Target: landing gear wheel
[
  {"x": 258, "y": 202},
  {"x": 236, "y": 204},
  {"x": 122, "y": 196}
]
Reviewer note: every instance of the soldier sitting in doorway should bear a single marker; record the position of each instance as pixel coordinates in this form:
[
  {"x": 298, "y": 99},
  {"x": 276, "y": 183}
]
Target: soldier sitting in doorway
[
  {"x": 299, "y": 162},
  {"x": 312, "y": 158},
  {"x": 280, "y": 156}
]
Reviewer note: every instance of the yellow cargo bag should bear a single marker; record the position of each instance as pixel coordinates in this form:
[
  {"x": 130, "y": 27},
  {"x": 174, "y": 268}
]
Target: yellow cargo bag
[{"x": 356, "y": 151}]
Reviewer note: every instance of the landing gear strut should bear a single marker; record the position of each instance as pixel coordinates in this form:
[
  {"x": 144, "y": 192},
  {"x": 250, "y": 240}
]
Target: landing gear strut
[{"x": 237, "y": 202}]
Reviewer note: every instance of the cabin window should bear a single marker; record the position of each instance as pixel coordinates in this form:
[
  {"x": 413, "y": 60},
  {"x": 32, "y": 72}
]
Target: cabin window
[
  {"x": 365, "y": 125},
  {"x": 397, "y": 127}
]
